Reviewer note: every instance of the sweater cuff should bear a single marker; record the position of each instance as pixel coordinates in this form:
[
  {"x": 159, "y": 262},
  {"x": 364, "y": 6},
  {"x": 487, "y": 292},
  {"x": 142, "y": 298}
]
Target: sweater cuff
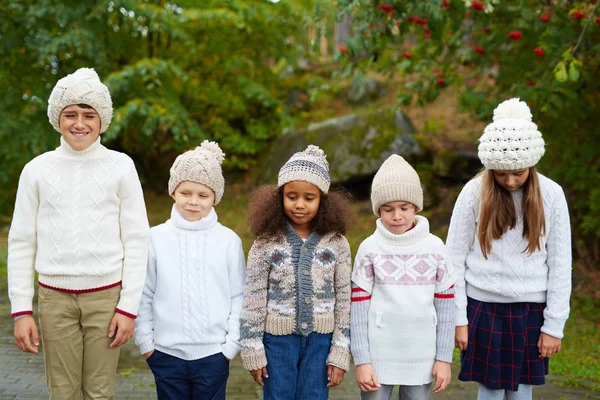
[
  {"x": 21, "y": 314},
  {"x": 230, "y": 349},
  {"x": 361, "y": 356},
  {"x": 553, "y": 328},
  {"x": 125, "y": 313},
  {"x": 21, "y": 306},
  {"x": 461, "y": 318},
  {"x": 147, "y": 346},
  {"x": 339, "y": 357},
  {"x": 254, "y": 359}
]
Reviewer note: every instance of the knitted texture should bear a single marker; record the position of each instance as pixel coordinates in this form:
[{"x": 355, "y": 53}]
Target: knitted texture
[
  {"x": 81, "y": 87},
  {"x": 201, "y": 165},
  {"x": 297, "y": 287},
  {"x": 396, "y": 180},
  {"x": 309, "y": 166},
  {"x": 510, "y": 275},
  {"x": 403, "y": 275},
  {"x": 80, "y": 221},
  {"x": 192, "y": 298},
  {"x": 512, "y": 140}
]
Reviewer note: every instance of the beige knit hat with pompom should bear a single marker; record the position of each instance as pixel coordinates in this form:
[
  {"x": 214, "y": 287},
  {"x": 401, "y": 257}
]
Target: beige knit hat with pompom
[{"x": 201, "y": 165}]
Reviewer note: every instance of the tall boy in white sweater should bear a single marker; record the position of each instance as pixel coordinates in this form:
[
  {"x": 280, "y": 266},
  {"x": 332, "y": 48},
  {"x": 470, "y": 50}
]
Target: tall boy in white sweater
[
  {"x": 80, "y": 222},
  {"x": 188, "y": 327}
]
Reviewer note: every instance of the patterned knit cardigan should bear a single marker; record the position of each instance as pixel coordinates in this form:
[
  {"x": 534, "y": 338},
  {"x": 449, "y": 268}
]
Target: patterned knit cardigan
[{"x": 297, "y": 287}]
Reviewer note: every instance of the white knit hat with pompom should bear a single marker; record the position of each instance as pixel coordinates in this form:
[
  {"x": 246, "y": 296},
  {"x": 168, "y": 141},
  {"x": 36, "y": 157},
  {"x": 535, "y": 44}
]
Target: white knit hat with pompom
[
  {"x": 309, "y": 166},
  {"x": 201, "y": 165},
  {"x": 512, "y": 141},
  {"x": 81, "y": 87}
]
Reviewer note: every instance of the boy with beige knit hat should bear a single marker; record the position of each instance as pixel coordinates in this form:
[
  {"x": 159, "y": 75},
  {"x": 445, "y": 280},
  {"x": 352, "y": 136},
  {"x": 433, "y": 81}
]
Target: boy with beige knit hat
[
  {"x": 188, "y": 326},
  {"x": 80, "y": 222},
  {"x": 402, "y": 310}
]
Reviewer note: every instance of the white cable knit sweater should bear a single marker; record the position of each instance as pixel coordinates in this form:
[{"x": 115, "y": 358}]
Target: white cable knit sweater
[
  {"x": 80, "y": 221},
  {"x": 194, "y": 289},
  {"x": 510, "y": 275}
]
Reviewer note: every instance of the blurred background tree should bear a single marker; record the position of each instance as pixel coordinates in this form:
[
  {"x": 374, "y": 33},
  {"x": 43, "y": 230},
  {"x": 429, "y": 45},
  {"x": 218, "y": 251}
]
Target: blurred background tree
[{"x": 545, "y": 52}]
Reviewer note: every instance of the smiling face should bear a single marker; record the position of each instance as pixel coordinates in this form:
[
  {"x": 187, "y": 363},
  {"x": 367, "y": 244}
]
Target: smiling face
[
  {"x": 80, "y": 127},
  {"x": 398, "y": 216},
  {"x": 511, "y": 180},
  {"x": 193, "y": 200},
  {"x": 301, "y": 202}
]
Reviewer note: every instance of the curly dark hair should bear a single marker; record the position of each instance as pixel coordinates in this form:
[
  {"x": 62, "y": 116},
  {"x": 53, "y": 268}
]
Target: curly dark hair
[{"x": 267, "y": 217}]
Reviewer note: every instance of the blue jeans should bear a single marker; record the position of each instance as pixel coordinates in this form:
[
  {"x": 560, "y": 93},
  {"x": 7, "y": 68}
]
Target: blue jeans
[
  {"x": 178, "y": 379},
  {"x": 297, "y": 367}
]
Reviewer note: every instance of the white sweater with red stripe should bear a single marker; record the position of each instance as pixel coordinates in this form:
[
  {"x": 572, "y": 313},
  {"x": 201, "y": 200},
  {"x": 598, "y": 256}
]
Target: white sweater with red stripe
[
  {"x": 80, "y": 222},
  {"x": 402, "y": 308}
]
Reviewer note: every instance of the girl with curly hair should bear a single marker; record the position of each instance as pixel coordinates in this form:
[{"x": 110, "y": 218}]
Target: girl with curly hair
[{"x": 295, "y": 325}]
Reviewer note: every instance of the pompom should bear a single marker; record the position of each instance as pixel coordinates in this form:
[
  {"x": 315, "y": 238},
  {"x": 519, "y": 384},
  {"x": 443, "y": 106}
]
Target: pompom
[
  {"x": 514, "y": 109},
  {"x": 314, "y": 150},
  {"x": 87, "y": 73},
  {"x": 212, "y": 147}
]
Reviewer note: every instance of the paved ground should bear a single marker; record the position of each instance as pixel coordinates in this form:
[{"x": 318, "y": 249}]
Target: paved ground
[{"x": 22, "y": 376}]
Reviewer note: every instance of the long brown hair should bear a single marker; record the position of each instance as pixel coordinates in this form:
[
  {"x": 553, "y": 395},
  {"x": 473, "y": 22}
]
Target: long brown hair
[
  {"x": 267, "y": 217},
  {"x": 498, "y": 212}
]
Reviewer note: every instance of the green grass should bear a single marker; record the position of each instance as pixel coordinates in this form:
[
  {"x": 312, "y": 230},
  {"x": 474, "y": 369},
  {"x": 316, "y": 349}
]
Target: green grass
[{"x": 578, "y": 363}]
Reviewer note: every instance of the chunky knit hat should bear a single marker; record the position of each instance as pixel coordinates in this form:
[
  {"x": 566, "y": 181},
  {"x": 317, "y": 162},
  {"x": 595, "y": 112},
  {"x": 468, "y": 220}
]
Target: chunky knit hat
[
  {"x": 512, "y": 141},
  {"x": 201, "y": 165},
  {"x": 81, "y": 87},
  {"x": 396, "y": 180},
  {"x": 309, "y": 166}
]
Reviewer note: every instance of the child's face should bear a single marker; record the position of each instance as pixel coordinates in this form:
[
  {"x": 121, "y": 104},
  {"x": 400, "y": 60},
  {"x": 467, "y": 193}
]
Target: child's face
[
  {"x": 193, "y": 200},
  {"x": 80, "y": 127},
  {"x": 301, "y": 203},
  {"x": 398, "y": 216},
  {"x": 511, "y": 180}
]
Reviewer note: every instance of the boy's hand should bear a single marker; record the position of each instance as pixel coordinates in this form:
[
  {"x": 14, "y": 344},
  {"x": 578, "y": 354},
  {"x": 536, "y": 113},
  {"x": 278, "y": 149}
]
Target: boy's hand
[
  {"x": 548, "y": 345},
  {"x": 442, "y": 375},
  {"x": 461, "y": 337},
  {"x": 335, "y": 375},
  {"x": 366, "y": 379},
  {"x": 258, "y": 374},
  {"x": 25, "y": 333},
  {"x": 121, "y": 328},
  {"x": 148, "y": 354}
]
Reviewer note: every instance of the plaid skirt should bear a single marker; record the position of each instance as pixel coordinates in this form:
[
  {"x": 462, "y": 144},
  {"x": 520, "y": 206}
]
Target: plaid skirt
[{"x": 502, "y": 350}]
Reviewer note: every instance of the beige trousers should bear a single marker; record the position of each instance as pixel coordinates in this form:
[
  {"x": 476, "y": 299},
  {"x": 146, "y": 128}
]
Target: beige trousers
[{"x": 76, "y": 343}]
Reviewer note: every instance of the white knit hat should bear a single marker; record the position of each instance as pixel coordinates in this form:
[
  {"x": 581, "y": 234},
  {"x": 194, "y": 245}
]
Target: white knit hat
[
  {"x": 309, "y": 166},
  {"x": 512, "y": 141},
  {"x": 81, "y": 87},
  {"x": 396, "y": 180},
  {"x": 201, "y": 165}
]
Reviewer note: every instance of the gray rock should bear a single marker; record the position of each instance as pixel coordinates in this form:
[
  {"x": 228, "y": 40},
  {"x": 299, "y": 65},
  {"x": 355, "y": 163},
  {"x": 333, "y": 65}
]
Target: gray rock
[
  {"x": 355, "y": 145},
  {"x": 363, "y": 90}
]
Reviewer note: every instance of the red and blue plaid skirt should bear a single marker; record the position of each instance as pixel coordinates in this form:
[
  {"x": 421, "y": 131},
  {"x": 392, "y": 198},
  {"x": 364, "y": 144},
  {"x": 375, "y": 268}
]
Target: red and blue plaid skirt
[{"x": 502, "y": 350}]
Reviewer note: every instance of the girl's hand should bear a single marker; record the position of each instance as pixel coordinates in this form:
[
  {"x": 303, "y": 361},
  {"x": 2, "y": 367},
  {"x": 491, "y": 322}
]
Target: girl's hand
[
  {"x": 148, "y": 354},
  {"x": 335, "y": 375},
  {"x": 366, "y": 379},
  {"x": 548, "y": 345},
  {"x": 461, "y": 337},
  {"x": 442, "y": 375},
  {"x": 258, "y": 374}
]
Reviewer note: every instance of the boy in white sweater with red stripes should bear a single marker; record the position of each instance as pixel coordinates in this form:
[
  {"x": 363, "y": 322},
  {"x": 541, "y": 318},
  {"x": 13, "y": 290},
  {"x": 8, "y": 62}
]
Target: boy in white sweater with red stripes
[
  {"x": 80, "y": 222},
  {"x": 402, "y": 310}
]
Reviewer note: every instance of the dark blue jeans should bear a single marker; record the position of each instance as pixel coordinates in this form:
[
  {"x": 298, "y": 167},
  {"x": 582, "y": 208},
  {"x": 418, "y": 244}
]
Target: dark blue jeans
[
  {"x": 296, "y": 366},
  {"x": 177, "y": 379}
]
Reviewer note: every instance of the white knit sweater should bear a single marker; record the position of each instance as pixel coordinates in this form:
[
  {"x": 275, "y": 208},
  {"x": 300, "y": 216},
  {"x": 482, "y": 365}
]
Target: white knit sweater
[
  {"x": 194, "y": 289},
  {"x": 510, "y": 275},
  {"x": 80, "y": 221}
]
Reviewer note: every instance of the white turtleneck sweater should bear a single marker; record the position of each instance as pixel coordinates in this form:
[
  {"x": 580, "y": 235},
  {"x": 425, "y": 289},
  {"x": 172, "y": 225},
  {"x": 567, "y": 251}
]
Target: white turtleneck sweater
[
  {"x": 194, "y": 289},
  {"x": 402, "y": 275},
  {"x": 80, "y": 222},
  {"x": 511, "y": 275}
]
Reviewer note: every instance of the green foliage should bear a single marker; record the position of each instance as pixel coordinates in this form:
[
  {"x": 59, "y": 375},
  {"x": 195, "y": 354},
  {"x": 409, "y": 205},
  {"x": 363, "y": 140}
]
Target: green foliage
[
  {"x": 552, "y": 63},
  {"x": 179, "y": 72}
]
